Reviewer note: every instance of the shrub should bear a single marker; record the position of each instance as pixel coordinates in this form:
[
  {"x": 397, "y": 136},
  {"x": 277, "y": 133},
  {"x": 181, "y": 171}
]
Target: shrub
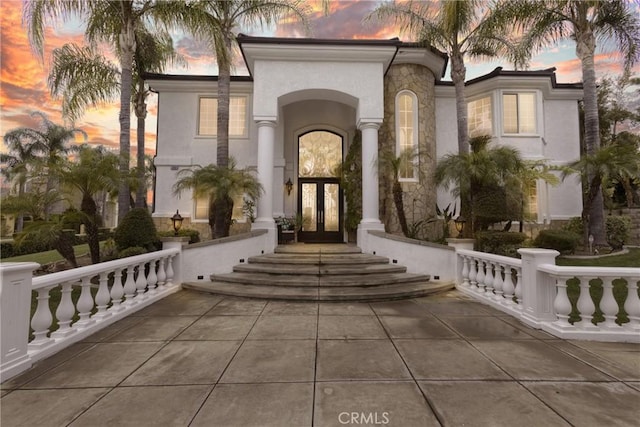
[
  {"x": 193, "y": 235},
  {"x": 575, "y": 225},
  {"x": 500, "y": 242},
  {"x": 109, "y": 251},
  {"x": 6, "y": 249},
  {"x": 136, "y": 229},
  {"x": 617, "y": 228},
  {"x": 72, "y": 219},
  {"x": 561, "y": 240},
  {"x": 132, "y": 251}
]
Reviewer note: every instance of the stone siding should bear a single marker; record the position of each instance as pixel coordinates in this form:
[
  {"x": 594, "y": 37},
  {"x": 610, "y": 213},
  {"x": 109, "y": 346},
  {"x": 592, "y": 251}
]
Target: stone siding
[{"x": 419, "y": 197}]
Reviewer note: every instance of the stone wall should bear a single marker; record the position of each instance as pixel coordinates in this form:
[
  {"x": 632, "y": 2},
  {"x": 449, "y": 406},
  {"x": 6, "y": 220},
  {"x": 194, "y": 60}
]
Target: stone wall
[
  {"x": 419, "y": 197},
  {"x": 165, "y": 224}
]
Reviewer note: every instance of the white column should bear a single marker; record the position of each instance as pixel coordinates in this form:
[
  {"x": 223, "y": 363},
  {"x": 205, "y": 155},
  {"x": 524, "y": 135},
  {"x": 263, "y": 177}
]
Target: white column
[
  {"x": 370, "y": 193},
  {"x": 266, "y": 140}
]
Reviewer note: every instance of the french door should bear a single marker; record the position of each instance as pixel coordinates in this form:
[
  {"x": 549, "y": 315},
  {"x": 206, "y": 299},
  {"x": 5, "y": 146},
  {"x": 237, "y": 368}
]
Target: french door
[{"x": 320, "y": 203}]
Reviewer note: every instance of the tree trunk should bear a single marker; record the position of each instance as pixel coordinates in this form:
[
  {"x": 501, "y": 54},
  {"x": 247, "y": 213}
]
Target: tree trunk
[
  {"x": 92, "y": 224},
  {"x": 19, "y": 224},
  {"x": 64, "y": 246},
  {"x": 458, "y": 75},
  {"x": 220, "y": 212},
  {"x": 585, "y": 48},
  {"x": 141, "y": 114},
  {"x": 127, "y": 48},
  {"x": 398, "y": 200}
]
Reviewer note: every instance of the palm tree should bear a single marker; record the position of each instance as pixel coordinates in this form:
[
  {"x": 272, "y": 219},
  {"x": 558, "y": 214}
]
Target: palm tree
[
  {"x": 607, "y": 164},
  {"x": 589, "y": 23},
  {"x": 495, "y": 168},
  {"x": 85, "y": 78},
  {"x": 216, "y": 22},
  {"x": 394, "y": 165},
  {"x": 460, "y": 28},
  {"x": 115, "y": 23},
  {"x": 221, "y": 184},
  {"x": 18, "y": 162},
  {"x": 37, "y": 154},
  {"x": 94, "y": 171}
]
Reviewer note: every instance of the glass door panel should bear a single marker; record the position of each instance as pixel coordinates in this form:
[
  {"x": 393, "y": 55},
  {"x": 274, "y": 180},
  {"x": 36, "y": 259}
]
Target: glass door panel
[
  {"x": 331, "y": 212},
  {"x": 309, "y": 206}
]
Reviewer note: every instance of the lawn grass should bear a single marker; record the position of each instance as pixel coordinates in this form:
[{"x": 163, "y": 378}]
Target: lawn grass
[
  {"x": 48, "y": 256},
  {"x": 630, "y": 259}
]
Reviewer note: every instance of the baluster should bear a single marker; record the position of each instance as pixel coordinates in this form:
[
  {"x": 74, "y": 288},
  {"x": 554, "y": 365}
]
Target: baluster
[
  {"x": 480, "y": 276},
  {"x": 130, "y": 284},
  {"x": 162, "y": 276},
  {"x": 518, "y": 288},
  {"x": 585, "y": 304},
  {"x": 561, "y": 304},
  {"x": 608, "y": 304},
  {"x": 42, "y": 318},
  {"x": 465, "y": 272},
  {"x": 85, "y": 302},
  {"x": 141, "y": 280},
  {"x": 170, "y": 270},
  {"x": 507, "y": 284},
  {"x": 488, "y": 279},
  {"x": 497, "y": 281},
  {"x": 152, "y": 278},
  {"x": 117, "y": 290},
  {"x": 103, "y": 297},
  {"x": 65, "y": 312},
  {"x": 632, "y": 304}
]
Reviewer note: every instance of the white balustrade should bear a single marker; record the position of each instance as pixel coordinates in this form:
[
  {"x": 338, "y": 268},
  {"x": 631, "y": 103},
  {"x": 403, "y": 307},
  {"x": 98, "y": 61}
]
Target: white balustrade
[
  {"x": 497, "y": 280},
  {"x": 107, "y": 306}
]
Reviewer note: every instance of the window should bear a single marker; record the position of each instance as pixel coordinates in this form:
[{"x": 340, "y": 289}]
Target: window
[
  {"x": 531, "y": 211},
  {"x": 208, "y": 116},
  {"x": 201, "y": 208},
  {"x": 406, "y": 131},
  {"x": 519, "y": 113},
  {"x": 479, "y": 117}
]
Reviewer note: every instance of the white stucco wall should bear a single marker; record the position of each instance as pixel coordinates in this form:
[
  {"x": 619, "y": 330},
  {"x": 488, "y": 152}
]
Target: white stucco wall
[
  {"x": 180, "y": 147},
  {"x": 274, "y": 79},
  {"x": 557, "y": 141}
]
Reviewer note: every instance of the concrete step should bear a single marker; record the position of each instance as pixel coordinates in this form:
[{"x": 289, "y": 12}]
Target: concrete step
[
  {"x": 315, "y": 270},
  {"x": 265, "y": 279},
  {"x": 318, "y": 259},
  {"x": 379, "y": 293},
  {"x": 315, "y": 248}
]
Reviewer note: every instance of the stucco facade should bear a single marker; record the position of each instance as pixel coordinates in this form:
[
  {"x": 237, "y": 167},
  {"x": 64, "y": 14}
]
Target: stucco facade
[{"x": 301, "y": 86}]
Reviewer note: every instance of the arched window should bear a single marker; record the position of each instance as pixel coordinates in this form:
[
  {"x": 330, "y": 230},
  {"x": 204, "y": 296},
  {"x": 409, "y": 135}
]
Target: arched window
[{"x": 407, "y": 133}]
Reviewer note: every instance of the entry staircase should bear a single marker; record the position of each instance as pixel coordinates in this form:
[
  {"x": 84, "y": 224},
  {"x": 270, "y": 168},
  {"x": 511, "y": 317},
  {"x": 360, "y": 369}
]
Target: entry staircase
[{"x": 320, "y": 272}]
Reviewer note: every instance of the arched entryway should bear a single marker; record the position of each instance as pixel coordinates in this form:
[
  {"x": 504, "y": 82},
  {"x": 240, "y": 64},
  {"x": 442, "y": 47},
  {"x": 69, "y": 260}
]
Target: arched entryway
[{"x": 319, "y": 193}]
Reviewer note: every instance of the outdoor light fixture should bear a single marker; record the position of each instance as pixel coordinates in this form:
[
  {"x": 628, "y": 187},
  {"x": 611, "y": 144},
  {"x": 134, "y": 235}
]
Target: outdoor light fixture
[
  {"x": 289, "y": 186},
  {"x": 459, "y": 223},
  {"x": 177, "y": 222}
]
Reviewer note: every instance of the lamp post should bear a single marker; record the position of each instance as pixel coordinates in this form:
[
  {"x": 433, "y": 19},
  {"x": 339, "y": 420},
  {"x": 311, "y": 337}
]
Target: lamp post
[
  {"x": 459, "y": 222},
  {"x": 591, "y": 244},
  {"x": 177, "y": 222}
]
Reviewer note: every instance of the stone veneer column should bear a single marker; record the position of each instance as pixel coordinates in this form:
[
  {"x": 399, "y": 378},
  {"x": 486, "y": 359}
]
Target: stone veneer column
[
  {"x": 266, "y": 140},
  {"x": 370, "y": 193}
]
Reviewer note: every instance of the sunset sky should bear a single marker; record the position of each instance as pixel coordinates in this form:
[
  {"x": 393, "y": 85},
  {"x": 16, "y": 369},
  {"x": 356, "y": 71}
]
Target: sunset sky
[{"x": 23, "y": 76}]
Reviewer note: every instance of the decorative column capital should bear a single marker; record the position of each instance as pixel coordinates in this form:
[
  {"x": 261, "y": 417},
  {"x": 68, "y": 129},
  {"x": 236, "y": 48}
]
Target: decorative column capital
[
  {"x": 266, "y": 123},
  {"x": 362, "y": 125}
]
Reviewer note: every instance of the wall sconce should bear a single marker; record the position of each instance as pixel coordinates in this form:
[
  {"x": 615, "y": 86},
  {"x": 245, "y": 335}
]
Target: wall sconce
[
  {"x": 289, "y": 186},
  {"x": 459, "y": 223},
  {"x": 177, "y": 222}
]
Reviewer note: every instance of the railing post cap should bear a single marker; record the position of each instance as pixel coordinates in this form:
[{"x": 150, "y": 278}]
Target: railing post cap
[
  {"x": 19, "y": 266},
  {"x": 538, "y": 252}
]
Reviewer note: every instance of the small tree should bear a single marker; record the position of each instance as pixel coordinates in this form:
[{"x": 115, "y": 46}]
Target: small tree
[
  {"x": 136, "y": 230},
  {"x": 221, "y": 184}
]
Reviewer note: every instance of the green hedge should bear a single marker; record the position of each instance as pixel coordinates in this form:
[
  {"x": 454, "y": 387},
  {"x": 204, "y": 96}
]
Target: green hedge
[
  {"x": 618, "y": 230},
  {"x": 500, "y": 242},
  {"x": 562, "y": 241},
  {"x": 136, "y": 229}
]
